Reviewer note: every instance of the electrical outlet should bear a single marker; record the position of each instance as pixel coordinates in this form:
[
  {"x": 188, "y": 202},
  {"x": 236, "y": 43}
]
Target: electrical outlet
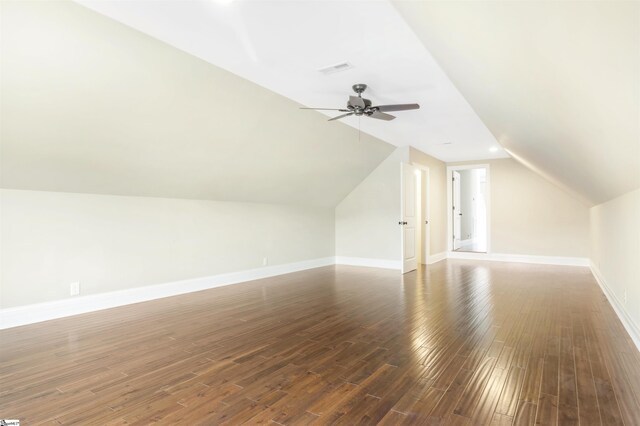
[
  {"x": 74, "y": 288},
  {"x": 265, "y": 261}
]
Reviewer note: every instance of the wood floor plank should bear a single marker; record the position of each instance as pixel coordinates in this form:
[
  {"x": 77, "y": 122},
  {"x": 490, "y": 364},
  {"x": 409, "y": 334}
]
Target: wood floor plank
[
  {"x": 486, "y": 406},
  {"x": 457, "y": 342},
  {"x": 547, "y": 413},
  {"x": 508, "y": 400},
  {"x": 501, "y": 420},
  {"x": 567, "y": 389},
  {"x": 393, "y": 418}
]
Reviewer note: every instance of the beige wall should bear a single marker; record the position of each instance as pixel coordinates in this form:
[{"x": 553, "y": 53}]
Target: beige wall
[
  {"x": 556, "y": 81},
  {"x": 437, "y": 200},
  {"x": 531, "y": 216},
  {"x": 367, "y": 219},
  {"x": 92, "y": 106},
  {"x": 108, "y": 243},
  {"x": 615, "y": 250}
]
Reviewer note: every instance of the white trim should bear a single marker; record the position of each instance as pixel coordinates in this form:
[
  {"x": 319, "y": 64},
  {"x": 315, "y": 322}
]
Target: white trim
[
  {"x": 436, "y": 257},
  {"x": 469, "y": 255},
  {"x": 618, "y": 307},
  {"x": 372, "y": 263},
  {"x": 450, "y": 170},
  {"x": 521, "y": 258},
  {"x": 426, "y": 216},
  {"x": 29, "y": 314}
]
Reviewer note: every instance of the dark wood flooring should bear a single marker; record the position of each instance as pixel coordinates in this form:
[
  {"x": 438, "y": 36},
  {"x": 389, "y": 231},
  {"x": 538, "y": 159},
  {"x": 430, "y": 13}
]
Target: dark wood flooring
[{"x": 462, "y": 342}]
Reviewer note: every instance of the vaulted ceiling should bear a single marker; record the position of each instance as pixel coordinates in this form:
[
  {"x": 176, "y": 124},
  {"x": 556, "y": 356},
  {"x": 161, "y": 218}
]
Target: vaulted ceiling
[
  {"x": 283, "y": 44},
  {"x": 200, "y": 99},
  {"x": 90, "y": 105},
  {"x": 557, "y": 82}
]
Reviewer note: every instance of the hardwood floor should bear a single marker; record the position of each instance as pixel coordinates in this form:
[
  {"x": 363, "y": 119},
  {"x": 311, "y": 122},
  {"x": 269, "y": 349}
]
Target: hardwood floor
[{"x": 462, "y": 343}]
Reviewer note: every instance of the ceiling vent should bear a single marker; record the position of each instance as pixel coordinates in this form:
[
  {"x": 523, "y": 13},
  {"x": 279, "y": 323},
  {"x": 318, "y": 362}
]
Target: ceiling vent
[{"x": 342, "y": 66}]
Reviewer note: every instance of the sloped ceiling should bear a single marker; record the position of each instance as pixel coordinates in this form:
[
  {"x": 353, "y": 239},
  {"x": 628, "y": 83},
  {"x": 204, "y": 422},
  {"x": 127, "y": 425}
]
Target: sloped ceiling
[
  {"x": 90, "y": 105},
  {"x": 282, "y": 45},
  {"x": 557, "y": 82}
]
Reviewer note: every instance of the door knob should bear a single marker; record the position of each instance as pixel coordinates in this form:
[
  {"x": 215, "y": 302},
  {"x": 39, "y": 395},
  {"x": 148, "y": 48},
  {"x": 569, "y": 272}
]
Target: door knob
[{"x": 402, "y": 223}]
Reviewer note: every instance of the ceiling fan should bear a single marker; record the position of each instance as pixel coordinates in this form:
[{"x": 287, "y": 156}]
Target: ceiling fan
[{"x": 360, "y": 106}]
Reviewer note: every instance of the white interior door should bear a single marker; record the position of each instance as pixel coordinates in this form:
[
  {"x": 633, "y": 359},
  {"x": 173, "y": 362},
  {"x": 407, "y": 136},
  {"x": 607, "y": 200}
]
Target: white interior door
[
  {"x": 409, "y": 220},
  {"x": 457, "y": 213}
]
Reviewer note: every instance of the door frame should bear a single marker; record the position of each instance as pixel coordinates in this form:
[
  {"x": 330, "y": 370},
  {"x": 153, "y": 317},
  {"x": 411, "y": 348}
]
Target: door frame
[
  {"x": 456, "y": 221},
  {"x": 450, "y": 170},
  {"x": 426, "y": 214}
]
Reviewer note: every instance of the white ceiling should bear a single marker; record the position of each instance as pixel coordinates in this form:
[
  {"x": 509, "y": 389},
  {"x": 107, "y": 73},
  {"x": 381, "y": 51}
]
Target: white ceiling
[
  {"x": 281, "y": 45},
  {"x": 557, "y": 82}
]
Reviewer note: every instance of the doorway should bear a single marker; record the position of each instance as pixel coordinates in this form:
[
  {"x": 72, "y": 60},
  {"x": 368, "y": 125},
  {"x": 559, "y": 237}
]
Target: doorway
[{"x": 469, "y": 208}]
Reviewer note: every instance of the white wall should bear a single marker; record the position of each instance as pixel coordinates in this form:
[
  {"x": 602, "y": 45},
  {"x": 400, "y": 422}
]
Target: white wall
[
  {"x": 367, "y": 219},
  {"x": 531, "y": 216},
  {"x": 615, "y": 253},
  {"x": 108, "y": 243}
]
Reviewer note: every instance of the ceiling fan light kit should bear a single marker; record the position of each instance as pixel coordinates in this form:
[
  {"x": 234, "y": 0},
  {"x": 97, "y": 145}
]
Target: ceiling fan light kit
[{"x": 359, "y": 106}]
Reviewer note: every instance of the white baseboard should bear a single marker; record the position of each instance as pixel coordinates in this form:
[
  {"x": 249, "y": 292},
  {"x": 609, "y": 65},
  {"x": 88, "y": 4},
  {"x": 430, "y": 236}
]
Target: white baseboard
[
  {"x": 434, "y": 258},
  {"x": 618, "y": 307},
  {"x": 372, "y": 263},
  {"x": 521, "y": 258},
  {"x": 467, "y": 255},
  {"x": 29, "y": 314}
]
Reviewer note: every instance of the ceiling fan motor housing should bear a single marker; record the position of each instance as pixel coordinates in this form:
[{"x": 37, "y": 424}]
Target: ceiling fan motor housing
[
  {"x": 358, "y": 110},
  {"x": 359, "y": 88}
]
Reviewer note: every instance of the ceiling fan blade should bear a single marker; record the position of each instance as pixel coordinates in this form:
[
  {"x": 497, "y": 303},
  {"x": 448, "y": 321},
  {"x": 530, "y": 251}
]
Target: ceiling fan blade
[
  {"x": 340, "y": 116},
  {"x": 356, "y": 101},
  {"x": 382, "y": 116},
  {"x": 326, "y": 109},
  {"x": 399, "y": 107}
]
